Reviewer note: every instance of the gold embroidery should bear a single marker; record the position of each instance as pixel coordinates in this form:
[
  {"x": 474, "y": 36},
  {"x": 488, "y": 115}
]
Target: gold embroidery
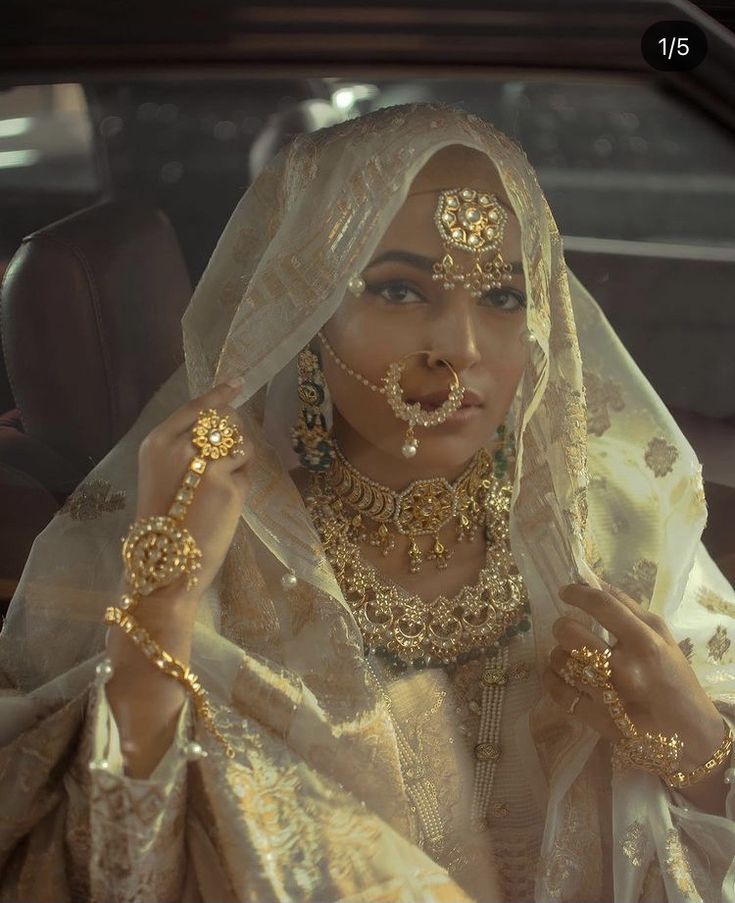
[
  {"x": 601, "y": 394},
  {"x": 639, "y": 581},
  {"x": 232, "y": 294},
  {"x": 718, "y": 644},
  {"x": 619, "y": 523},
  {"x": 498, "y": 810},
  {"x": 578, "y": 512},
  {"x": 242, "y": 246},
  {"x": 677, "y": 864},
  {"x": 566, "y": 415},
  {"x": 687, "y": 647},
  {"x": 712, "y": 602},
  {"x": 660, "y": 456},
  {"x": 635, "y": 843},
  {"x": 91, "y": 500}
]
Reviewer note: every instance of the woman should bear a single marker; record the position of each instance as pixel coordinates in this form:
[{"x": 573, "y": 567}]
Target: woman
[{"x": 385, "y": 496}]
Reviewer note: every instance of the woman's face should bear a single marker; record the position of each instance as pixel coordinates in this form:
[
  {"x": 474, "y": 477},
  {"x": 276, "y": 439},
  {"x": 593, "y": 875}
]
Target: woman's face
[{"x": 404, "y": 310}]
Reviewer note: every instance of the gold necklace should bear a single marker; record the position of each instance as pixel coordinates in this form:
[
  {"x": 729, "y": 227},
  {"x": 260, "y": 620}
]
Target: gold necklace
[
  {"x": 423, "y": 508},
  {"x": 404, "y": 627}
]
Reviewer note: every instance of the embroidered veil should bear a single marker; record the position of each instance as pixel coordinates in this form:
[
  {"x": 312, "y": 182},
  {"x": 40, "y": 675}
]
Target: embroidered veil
[{"x": 315, "y": 806}]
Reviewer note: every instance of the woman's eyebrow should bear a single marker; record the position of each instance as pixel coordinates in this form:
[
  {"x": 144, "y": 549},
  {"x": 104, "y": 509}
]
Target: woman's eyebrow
[{"x": 421, "y": 262}]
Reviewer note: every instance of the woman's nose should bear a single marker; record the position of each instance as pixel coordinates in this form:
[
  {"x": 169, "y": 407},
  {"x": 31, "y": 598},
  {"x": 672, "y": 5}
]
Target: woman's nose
[{"x": 455, "y": 338}]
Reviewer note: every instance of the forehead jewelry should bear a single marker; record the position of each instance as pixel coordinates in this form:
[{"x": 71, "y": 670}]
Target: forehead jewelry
[
  {"x": 413, "y": 414},
  {"x": 472, "y": 221}
]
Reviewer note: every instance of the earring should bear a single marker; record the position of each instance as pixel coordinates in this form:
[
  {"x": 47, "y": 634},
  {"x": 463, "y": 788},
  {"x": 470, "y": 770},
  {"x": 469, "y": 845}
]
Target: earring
[
  {"x": 310, "y": 437},
  {"x": 504, "y": 455}
]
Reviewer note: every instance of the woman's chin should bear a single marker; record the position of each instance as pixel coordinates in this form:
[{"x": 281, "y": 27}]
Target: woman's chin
[{"x": 449, "y": 451}]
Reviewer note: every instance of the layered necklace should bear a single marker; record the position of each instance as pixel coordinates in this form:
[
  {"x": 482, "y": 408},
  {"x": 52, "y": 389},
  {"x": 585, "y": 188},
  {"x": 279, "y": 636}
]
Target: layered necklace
[{"x": 349, "y": 509}]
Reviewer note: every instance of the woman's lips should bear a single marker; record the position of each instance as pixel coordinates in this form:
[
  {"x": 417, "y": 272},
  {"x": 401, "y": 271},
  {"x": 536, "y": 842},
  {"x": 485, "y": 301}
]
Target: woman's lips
[{"x": 432, "y": 405}]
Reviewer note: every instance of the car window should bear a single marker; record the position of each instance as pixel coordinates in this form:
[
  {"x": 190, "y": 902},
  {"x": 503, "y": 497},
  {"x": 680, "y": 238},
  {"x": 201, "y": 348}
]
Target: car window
[{"x": 46, "y": 139}]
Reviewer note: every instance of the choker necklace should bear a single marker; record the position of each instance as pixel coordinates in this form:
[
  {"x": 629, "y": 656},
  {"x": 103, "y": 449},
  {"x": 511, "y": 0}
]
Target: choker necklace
[
  {"x": 402, "y": 626},
  {"x": 423, "y": 508}
]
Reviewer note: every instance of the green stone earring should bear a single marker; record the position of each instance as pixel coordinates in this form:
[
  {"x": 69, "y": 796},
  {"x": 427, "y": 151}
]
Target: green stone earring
[{"x": 310, "y": 437}]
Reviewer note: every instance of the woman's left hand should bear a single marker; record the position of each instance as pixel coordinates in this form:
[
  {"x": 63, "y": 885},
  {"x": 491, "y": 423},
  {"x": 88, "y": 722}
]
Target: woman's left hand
[{"x": 656, "y": 685}]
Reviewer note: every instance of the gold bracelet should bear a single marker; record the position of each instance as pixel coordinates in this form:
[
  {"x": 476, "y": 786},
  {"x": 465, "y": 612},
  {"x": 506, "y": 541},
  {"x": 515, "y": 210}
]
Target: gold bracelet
[
  {"x": 687, "y": 778},
  {"x": 159, "y": 550},
  {"x": 165, "y": 662},
  {"x": 657, "y": 753}
]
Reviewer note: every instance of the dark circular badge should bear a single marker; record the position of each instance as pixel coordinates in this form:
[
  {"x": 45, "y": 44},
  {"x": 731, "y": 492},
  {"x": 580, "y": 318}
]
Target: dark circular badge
[{"x": 674, "y": 46}]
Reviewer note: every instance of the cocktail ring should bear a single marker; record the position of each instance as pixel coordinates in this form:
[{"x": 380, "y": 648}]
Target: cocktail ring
[
  {"x": 588, "y": 667},
  {"x": 215, "y": 436}
]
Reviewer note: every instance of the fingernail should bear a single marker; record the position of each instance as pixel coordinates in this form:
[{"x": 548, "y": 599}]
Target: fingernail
[{"x": 235, "y": 382}]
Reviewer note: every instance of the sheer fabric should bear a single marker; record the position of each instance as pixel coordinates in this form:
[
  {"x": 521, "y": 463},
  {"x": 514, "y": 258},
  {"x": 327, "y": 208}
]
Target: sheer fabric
[{"x": 319, "y": 803}]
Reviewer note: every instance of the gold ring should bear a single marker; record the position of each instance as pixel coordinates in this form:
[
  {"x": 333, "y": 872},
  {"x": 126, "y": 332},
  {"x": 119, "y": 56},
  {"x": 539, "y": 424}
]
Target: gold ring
[
  {"x": 214, "y": 435},
  {"x": 588, "y": 667}
]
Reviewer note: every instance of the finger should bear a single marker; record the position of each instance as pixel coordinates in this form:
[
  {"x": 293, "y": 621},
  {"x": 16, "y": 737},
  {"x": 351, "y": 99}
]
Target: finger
[
  {"x": 587, "y": 710},
  {"x": 607, "y": 610},
  {"x": 654, "y": 621},
  {"x": 183, "y": 418},
  {"x": 570, "y": 634}
]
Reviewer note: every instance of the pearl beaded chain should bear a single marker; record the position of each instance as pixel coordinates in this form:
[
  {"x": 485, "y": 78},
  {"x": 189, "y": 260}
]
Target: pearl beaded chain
[
  {"x": 487, "y": 750},
  {"x": 341, "y": 364}
]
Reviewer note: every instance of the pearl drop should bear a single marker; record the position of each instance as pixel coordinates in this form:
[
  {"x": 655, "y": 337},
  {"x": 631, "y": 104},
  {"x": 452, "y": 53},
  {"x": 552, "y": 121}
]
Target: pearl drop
[
  {"x": 104, "y": 669},
  {"x": 409, "y": 449},
  {"x": 289, "y": 580},
  {"x": 194, "y": 750},
  {"x": 356, "y": 285},
  {"x": 99, "y": 765}
]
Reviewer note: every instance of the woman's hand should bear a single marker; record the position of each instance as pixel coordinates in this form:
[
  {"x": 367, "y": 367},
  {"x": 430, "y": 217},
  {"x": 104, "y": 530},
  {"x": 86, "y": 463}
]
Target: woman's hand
[
  {"x": 163, "y": 460},
  {"x": 656, "y": 685}
]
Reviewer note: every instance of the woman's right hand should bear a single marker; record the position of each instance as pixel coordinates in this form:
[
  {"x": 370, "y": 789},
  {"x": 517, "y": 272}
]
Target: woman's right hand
[{"x": 212, "y": 517}]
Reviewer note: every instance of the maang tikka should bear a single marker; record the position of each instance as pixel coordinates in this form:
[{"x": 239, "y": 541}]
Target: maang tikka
[
  {"x": 310, "y": 438},
  {"x": 474, "y": 221}
]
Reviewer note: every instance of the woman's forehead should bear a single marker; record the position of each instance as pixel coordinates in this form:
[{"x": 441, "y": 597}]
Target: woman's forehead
[{"x": 458, "y": 167}]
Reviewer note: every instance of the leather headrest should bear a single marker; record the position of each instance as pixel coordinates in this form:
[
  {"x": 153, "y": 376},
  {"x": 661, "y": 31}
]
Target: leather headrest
[{"x": 91, "y": 311}]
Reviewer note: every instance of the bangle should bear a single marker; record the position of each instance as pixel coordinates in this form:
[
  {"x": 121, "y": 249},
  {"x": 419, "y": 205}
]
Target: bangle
[
  {"x": 660, "y": 754},
  {"x": 165, "y": 662},
  {"x": 687, "y": 778}
]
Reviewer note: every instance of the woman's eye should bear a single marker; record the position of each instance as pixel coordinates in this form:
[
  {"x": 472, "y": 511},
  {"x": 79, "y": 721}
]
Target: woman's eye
[
  {"x": 506, "y": 299},
  {"x": 396, "y": 292}
]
